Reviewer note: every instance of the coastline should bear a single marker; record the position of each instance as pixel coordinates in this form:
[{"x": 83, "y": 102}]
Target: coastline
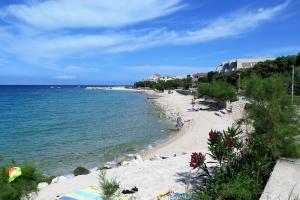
[{"x": 161, "y": 174}]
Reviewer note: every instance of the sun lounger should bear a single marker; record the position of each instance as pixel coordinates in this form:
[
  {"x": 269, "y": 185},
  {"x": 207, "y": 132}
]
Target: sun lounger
[
  {"x": 224, "y": 111},
  {"x": 219, "y": 114}
]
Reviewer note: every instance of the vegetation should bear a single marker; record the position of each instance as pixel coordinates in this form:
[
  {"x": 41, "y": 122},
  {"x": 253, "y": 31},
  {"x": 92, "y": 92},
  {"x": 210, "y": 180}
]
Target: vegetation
[
  {"x": 219, "y": 90},
  {"x": 244, "y": 165},
  {"x": 162, "y": 85},
  {"x": 21, "y": 186},
  {"x": 281, "y": 65},
  {"x": 272, "y": 113},
  {"x": 108, "y": 187}
]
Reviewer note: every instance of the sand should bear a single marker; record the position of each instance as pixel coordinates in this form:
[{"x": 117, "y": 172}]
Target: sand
[{"x": 156, "y": 176}]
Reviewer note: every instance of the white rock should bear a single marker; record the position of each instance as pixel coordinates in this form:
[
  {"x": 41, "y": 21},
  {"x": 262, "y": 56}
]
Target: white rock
[
  {"x": 156, "y": 157},
  {"x": 42, "y": 185},
  {"x": 58, "y": 179},
  {"x": 138, "y": 158}
]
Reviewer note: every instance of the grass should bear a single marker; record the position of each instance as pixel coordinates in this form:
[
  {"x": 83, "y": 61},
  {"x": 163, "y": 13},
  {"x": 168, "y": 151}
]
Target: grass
[{"x": 108, "y": 186}]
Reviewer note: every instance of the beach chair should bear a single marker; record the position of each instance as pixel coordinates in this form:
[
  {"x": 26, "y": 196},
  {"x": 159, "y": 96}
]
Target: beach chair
[{"x": 92, "y": 193}]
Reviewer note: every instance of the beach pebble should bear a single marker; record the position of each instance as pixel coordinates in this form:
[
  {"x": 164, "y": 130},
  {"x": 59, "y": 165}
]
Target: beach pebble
[
  {"x": 42, "y": 185},
  {"x": 81, "y": 171},
  {"x": 58, "y": 179}
]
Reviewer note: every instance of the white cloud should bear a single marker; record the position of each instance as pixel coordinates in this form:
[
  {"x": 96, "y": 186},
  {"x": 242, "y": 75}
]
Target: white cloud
[
  {"x": 48, "y": 47},
  {"x": 64, "y": 77},
  {"x": 55, "y": 14}
]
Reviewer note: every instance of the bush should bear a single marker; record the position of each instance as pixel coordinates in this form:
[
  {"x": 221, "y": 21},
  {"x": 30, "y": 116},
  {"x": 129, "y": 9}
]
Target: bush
[
  {"x": 243, "y": 166},
  {"x": 219, "y": 90},
  {"x": 271, "y": 111},
  {"x": 23, "y": 185},
  {"x": 109, "y": 187}
]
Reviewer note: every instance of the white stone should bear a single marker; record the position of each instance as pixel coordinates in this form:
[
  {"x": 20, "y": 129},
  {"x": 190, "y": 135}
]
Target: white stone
[
  {"x": 58, "y": 179},
  {"x": 138, "y": 158}
]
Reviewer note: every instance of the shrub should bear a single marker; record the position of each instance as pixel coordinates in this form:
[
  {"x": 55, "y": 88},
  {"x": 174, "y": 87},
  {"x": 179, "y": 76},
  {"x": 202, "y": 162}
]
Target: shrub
[
  {"x": 109, "y": 187},
  {"x": 243, "y": 166},
  {"x": 23, "y": 185},
  {"x": 271, "y": 111},
  {"x": 218, "y": 90}
]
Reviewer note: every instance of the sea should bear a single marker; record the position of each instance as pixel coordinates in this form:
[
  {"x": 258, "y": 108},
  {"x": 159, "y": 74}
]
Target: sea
[{"x": 59, "y": 128}]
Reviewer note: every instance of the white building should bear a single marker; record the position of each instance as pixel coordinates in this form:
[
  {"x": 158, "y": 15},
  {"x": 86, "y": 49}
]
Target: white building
[
  {"x": 241, "y": 63},
  {"x": 158, "y": 77}
]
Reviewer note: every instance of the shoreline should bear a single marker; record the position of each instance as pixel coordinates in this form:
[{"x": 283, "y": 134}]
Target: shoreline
[{"x": 159, "y": 166}]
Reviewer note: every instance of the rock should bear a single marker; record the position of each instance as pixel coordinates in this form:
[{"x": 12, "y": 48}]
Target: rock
[
  {"x": 184, "y": 153},
  {"x": 58, "y": 179},
  {"x": 109, "y": 165},
  {"x": 50, "y": 178},
  {"x": 138, "y": 158},
  {"x": 125, "y": 163},
  {"x": 81, "y": 171},
  {"x": 42, "y": 185},
  {"x": 174, "y": 155},
  {"x": 156, "y": 157},
  {"x": 164, "y": 157}
]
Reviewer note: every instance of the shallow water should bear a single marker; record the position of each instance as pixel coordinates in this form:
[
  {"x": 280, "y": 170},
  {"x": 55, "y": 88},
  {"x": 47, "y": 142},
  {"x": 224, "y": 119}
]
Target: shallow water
[{"x": 62, "y": 128}]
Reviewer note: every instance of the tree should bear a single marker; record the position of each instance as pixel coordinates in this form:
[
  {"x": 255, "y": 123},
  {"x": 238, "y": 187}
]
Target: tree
[
  {"x": 219, "y": 90},
  {"x": 271, "y": 111},
  {"x": 160, "y": 85}
]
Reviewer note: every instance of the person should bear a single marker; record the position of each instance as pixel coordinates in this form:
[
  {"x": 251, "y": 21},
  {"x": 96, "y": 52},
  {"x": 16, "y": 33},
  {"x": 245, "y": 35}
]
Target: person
[
  {"x": 179, "y": 122},
  {"x": 193, "y": 103}
]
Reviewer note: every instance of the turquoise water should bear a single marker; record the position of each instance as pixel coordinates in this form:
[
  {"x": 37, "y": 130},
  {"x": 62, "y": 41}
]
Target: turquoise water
[{"x": 61, "y": 128}]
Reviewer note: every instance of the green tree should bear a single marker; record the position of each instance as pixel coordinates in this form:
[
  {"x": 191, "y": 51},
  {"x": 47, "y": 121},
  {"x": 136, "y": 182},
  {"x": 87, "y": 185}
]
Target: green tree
[
  {"x": 219, "y": 90},
  {"x": 160, "y": 85},
  {"x": 271, "y": 111}
]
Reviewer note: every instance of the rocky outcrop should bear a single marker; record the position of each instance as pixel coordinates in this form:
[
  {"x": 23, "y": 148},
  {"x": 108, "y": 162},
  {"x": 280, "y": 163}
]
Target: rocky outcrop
[{"x": 81, "y": 171}]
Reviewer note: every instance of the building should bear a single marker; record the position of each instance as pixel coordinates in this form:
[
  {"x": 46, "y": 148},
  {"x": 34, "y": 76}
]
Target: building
[
  {"x": 158, "y": 77},
  {"x": 242, "y": 63},
  {"x": 198, "y": 75}
]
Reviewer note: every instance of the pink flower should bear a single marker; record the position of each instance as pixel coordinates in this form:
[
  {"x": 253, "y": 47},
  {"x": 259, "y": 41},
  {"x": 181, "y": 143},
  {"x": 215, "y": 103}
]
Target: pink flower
[
  {"x": 197, "y": 159},
  {"x": 269, "y": 139}
]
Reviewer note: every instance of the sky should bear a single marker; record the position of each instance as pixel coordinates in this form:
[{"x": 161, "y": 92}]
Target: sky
[{"x": 119, "y": 42}]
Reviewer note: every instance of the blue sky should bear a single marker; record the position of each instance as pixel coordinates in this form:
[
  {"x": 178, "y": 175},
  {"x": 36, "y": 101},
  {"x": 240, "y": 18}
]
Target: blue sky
[{"x": 119, "y": 42}]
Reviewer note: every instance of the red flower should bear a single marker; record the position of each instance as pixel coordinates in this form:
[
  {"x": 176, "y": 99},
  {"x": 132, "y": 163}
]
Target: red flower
[
  {"x": 213, "y": 136},
  {"x": 197, "y": 159},
  {"x": 269, "y": 139},
  {"x": 228, "y": 141}
]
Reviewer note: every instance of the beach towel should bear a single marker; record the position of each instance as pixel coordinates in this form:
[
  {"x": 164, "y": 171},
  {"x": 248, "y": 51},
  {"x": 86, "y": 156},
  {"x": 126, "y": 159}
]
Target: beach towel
[
  {"x": 13, "y": 173},
  {"x": 170, "y": 195},
  {"x": 92, "y": 193}
]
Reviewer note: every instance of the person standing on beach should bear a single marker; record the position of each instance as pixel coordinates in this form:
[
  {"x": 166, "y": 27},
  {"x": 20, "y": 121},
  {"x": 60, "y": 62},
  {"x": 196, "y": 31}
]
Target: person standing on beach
[
  {"x": 179, "y": 122},
  {"x": 193, "y": 103}
]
